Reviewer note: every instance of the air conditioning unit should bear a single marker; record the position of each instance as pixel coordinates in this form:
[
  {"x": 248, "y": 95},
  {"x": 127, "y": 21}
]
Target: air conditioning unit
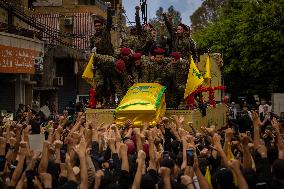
[
  {"x": 25, "y": 77},
  {"x": 58, "y": 81},
  {"x": 68, "y": 21}
]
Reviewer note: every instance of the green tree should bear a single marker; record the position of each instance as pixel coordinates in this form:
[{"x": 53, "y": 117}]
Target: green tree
[
  {"x": 249, "y": 34},
  {"x": 206, "y": 13},
  {"x": 176, "y": 17}
]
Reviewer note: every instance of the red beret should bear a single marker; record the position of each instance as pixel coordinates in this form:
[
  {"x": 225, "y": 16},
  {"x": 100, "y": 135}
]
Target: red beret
[
  {"x": 183, "y": 26},
  {"x": 159, "y": 51},
  {"x": 175, "y": 55},
  {"x": 120, "y": 65},
  {"x": 125, "y": 51},
  {"x": 136, "y": 56}
]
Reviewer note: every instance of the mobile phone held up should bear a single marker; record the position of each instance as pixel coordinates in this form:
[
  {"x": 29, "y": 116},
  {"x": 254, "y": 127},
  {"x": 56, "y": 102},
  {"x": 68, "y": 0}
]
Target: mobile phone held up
[{"x": 190, "y": 156}]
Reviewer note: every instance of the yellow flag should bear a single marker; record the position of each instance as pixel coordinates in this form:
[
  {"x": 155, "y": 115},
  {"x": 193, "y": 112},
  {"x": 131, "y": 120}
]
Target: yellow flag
[
  {"x": 207, "y": 74},
  {"x": 208, "y": 177},
  {"x": 231, "y": 156},
  {"x": 88, "y": 74},
  {"x": 194, "y": 79}
]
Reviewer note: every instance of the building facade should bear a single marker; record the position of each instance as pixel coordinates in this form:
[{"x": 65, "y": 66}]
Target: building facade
[
  {"x": 65, "y": 26},
  {"x": 19, "y": 50}
]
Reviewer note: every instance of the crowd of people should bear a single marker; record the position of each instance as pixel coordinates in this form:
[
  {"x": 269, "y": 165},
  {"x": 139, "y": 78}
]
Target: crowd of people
[
  {"x": 145, "y": 55},
  {"x": 80, "y": 154}
]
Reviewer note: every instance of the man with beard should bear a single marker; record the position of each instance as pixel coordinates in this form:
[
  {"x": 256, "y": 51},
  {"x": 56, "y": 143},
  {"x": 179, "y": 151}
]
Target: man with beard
[
  {"x": 101, "y": 43},
  {"x": 181, "y": 40},
  {"x": 101, "y": 40}
]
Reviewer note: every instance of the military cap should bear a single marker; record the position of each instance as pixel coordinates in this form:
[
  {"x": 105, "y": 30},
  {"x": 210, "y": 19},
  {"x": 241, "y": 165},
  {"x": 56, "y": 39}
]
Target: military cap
[
  {"x": 125, "y": 51},
  {"x": 136, "y": 56},
  {"x": 159, "y": 51},
  {"x": 175, "y": 55}
]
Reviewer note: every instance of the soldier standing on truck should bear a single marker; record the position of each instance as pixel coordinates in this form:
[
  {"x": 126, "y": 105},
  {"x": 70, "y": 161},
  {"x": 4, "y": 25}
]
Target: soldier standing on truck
[
  {"x": 100, "y": 43},
  {"x": 181, "y": 41}
]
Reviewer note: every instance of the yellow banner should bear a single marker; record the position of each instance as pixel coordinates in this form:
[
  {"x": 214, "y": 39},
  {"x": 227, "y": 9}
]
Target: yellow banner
[
  {"x": 88, "y": 74},
  {"x": 194, "y": 79},
  {"x": 207, "y": 74}
]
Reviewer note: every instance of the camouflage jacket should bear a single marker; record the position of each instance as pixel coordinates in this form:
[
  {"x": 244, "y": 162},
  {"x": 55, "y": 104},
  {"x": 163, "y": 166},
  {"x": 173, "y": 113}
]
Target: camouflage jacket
[
  {"x": 102, "y": 40},
  {"x": 176, "y": 77},
  {"x": 183, "y": 44},
  {"x": 145, "y": 42},
  {"x": 157, "y": 72},
  {"x": 140, "y": 74},
  {"x": 106, "y": 64}
]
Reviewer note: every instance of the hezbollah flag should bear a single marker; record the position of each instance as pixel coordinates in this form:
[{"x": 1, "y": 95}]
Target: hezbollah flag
[
  {"x": 207, "y": 73},
  {"x": 88, "y": 74},
  {"x": 208, "y": 177},
  {"x": 231, "y": 156},
  {"x": 194, "y": 79}
]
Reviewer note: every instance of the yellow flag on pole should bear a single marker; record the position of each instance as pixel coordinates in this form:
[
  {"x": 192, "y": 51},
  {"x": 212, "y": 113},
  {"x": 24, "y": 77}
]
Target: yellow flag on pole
[
  {"x": 194, "y": 79},
  {"x": 88, "y": 74},
  {"x": 231, "y": 156},
  {"x": 208, "y": 177},
  {"x": 207, "y": 74}
]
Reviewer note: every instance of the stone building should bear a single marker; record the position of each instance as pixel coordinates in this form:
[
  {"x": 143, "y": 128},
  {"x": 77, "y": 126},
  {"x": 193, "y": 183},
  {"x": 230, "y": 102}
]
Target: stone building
[
  {"x": 19, "y": 48},
  {"x": 65, "y": 26}
]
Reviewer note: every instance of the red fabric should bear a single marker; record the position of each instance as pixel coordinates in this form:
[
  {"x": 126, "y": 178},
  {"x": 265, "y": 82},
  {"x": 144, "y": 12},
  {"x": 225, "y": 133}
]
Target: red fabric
[
  {"x": 175, "y": 55},
  {"x": 120, "y": 65},
  {"x": 159, "y": 51},
  {"x": 125, "y": 51},
  {"x": 92, "y": 101},
  {"x": 136, "y": 56}
]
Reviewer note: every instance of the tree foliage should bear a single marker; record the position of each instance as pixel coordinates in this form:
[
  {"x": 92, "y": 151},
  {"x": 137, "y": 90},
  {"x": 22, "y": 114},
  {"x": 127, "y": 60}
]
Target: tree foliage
[
  {"x": 249, "y": 34},
  {"x": 176, "y": 17},
  {"x": 206, "y": 13}
]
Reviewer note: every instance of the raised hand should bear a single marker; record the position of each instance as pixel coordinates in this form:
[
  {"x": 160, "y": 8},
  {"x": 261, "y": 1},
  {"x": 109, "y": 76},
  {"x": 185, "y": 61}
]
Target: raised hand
[{"x": 81, "y": 148}]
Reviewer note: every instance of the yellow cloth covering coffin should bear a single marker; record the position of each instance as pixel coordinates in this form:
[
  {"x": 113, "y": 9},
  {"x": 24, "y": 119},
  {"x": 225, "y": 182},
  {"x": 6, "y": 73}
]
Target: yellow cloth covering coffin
[{"x": 143, "y": 102}]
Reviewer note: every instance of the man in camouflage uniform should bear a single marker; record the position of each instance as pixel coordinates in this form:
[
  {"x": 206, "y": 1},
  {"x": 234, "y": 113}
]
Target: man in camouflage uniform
[
  {"x": 156, "y": 69},
  {"x": 139, "y": 69},
  {"x": 181, "y": 41},
  {"x": 116, "y": 71},
  {"x": 100, "y": 42},
  {"x": 177, "y": 72},
  {"x": 146, "y": 37}
]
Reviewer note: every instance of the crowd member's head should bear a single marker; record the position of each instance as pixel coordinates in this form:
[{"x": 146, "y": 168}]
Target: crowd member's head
[
  {"x": 223, "y": 179},
  {"x": 278, "y": 169},
  {"x": 137, "y": 59},
  {"x": 159, "y": 54},
  {"x": 265, "y": 108},
  {"x": 175, "y": 57}
]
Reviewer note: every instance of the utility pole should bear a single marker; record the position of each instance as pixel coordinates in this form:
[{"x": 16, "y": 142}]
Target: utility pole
[{"x": 143, "y": 4}]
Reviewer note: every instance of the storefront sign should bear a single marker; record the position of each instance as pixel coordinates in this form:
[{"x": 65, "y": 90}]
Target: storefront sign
[{"x": 17, "y": 60}]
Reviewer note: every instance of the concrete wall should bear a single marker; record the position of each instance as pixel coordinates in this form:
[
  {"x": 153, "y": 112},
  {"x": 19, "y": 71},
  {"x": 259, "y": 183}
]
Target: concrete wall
[{"x": 278, "y": 103}]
